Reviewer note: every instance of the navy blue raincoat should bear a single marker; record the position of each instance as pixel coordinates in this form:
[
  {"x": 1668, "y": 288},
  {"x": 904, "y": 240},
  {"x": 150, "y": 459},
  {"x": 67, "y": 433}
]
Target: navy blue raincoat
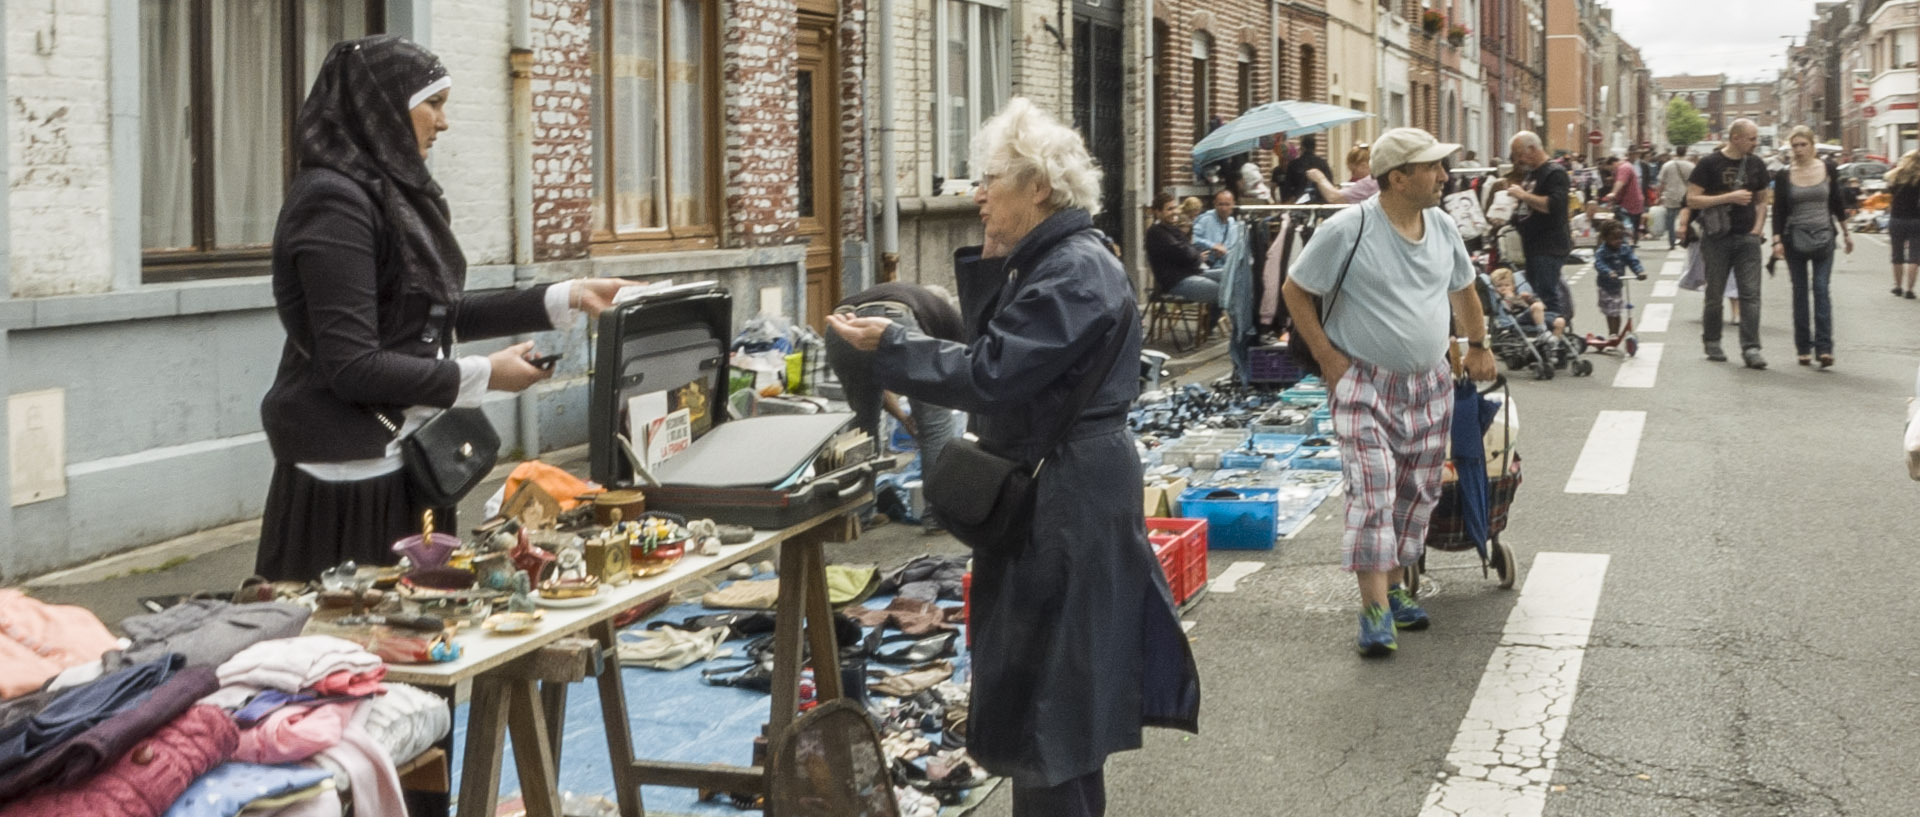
[{"x": 1077, "y": 644}]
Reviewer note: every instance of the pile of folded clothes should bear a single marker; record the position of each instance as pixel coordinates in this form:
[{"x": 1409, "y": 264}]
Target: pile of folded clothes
[{"x": 205, "y": 709}]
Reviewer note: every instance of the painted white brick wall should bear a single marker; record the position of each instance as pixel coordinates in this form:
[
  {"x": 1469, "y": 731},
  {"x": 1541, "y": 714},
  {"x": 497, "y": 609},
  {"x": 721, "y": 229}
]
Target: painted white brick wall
[
  {"x": 473, "y": 159},
  {"x": 57, "y": 145}
]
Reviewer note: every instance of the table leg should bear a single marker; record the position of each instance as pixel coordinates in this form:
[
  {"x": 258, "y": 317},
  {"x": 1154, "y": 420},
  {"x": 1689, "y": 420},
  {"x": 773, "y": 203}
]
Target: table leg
[
  {"x": 788, "y": 625},
  {"x": 613, "y": 712},
  {"x": 533, "y": 752},
  {"x": 486, "y": 738},
  {"x": 820, "y": 637},
  {"x": 553, "y": 703}
]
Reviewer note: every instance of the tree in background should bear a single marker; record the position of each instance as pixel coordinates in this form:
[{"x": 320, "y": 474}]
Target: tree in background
[{"x": 1685, "y": 123}]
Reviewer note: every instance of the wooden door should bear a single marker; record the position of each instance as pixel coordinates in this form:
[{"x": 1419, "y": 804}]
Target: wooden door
[{"x": 817, "y": 81}]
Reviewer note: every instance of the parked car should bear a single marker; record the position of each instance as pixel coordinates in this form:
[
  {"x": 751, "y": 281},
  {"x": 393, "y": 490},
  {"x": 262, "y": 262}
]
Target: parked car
[{"x": 1871, "y": 174}]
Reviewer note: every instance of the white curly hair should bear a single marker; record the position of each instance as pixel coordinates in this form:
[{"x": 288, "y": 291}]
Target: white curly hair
[{"x": 1027, "y": 145}]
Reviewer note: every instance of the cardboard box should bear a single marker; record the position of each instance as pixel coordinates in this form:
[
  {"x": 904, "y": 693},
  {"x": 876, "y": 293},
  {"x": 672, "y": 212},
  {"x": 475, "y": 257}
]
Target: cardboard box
[{"x": 1162, "y": 499}]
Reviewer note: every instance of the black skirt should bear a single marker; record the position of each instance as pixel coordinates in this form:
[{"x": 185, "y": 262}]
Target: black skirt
[{"x": 310, "y": 524}]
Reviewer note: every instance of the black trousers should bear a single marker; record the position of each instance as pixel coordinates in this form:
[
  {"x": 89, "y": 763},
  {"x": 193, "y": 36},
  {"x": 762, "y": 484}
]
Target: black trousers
[{"x": 1083, "y": 796}]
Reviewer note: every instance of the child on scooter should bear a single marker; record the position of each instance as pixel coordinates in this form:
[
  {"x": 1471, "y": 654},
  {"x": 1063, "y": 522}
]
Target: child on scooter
[{"x": 1612, "y": 260}]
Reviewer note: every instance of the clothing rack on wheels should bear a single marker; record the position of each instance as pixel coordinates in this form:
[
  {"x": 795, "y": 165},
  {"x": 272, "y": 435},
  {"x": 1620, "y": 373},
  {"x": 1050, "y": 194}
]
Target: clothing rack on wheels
[{"x": 1289, "y": 226}]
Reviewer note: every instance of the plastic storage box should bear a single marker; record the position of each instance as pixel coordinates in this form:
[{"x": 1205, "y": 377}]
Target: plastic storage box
[
  {"x": 1272, "y": 364},
  {"x": 1316, "y": 458},
  {"x": 1179, "y": 543},
  {"x": 1237, "y": 518}
]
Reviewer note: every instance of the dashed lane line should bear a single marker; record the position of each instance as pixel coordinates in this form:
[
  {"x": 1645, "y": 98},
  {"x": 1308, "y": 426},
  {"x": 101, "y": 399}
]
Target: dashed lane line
[
  {"x": 1654, "y": 319},
  {"x": 1639, "y": 371},
  {"x": 1503, "y": 757},
  {"x": 1606, "y": 463}
]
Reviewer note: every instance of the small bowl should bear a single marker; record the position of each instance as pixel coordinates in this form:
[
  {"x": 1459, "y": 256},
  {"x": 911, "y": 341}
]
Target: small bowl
[
  {"x": 425, "y": 552},
  {"x": 512, "y": 623}
]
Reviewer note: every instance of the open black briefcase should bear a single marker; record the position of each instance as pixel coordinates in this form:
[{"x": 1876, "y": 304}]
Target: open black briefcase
[{"x": 662, "y": 358}]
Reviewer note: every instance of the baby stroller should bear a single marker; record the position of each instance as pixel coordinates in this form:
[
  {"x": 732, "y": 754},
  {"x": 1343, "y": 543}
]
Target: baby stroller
[
  {"x": 1534, "y": 348},
  {"x": 1448, "y": 530}
]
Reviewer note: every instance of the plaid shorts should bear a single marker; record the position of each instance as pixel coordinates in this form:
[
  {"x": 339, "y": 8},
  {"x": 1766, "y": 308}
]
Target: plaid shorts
[
  {"x": 1612, "y": 304},
  {"x": 1392, "y": 428}
]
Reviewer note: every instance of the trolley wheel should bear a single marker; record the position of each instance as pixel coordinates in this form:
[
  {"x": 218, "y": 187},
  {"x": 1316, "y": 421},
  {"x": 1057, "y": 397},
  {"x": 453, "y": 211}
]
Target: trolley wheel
[
  {"x": 1631, "y": 344},
  {"x": 1410, "y": 576},
  {"x": 1543, "y": 370},
  {"x": 1582, "y": 368},
  {"x": 1503, "y": 564}
]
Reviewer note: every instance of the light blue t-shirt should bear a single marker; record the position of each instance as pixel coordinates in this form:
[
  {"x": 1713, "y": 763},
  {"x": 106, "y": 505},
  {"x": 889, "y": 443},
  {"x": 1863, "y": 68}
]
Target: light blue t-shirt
[{"x": 1392, "y": 311}]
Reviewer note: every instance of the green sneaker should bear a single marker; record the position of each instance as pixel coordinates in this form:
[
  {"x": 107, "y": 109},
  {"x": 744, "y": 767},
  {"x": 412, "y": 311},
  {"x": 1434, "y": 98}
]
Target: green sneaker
[
  {"x": 1407, "y": 614},
  {"x": 1376, "y": 632}
]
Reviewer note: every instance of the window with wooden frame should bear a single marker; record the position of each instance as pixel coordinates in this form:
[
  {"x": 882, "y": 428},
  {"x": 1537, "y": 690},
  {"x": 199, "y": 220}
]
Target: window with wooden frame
[
  {"x": 972, "y": 80},
  {"x": 1246, "y": 80},
  {"x": 656, "y": 99},
  {"x": 221, "y": 83},
  {"x": 1202, "y": 84}
]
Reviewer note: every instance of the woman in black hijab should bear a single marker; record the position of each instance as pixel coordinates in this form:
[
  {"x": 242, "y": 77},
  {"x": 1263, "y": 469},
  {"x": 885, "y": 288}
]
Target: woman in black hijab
[{"x": 370, "y": 284}]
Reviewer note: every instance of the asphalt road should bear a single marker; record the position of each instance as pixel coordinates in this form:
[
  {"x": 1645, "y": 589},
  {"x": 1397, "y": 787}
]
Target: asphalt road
[{"x": 1750, "y": 653}]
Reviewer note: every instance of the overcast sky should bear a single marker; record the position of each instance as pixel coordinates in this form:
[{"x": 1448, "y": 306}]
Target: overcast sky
[{"x": 1742, "y": 38}]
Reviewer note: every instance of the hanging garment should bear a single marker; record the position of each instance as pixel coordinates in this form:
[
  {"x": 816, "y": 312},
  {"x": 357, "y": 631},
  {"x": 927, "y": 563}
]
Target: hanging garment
[{"x": 1271, "y": 272}]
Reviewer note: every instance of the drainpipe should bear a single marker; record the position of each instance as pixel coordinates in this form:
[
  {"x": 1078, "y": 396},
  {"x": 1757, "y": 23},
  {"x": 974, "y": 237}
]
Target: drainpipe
[
  {"x": 889, "y": 183},
  {"x": 520, "y": 69}
]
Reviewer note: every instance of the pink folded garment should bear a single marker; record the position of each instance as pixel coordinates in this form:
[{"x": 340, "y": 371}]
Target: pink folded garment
[
  {"x": 38, "y": 640},
  {"x": 295, "y": 733},
  {"x": 146, "y": 780},
  {"x": 356, "y": 684}
]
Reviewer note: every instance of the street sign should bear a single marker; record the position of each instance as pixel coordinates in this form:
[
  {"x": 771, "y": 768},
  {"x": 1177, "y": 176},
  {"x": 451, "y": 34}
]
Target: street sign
[
  {"x": 1868, "y": 111},
  {"x": 1594, "y": 137}
]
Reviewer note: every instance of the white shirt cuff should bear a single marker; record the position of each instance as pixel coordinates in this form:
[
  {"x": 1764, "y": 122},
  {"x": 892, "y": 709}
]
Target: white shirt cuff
[
  {"x": 475, "y": 371},
  {"x": 559, "y": 305}
]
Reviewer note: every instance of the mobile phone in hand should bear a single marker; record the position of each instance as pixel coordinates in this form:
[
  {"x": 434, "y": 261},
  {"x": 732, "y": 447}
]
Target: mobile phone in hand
[{"x": 546, "y": 361}]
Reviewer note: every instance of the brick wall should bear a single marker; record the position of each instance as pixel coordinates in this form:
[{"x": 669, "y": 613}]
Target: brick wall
[
  {"x": 853, "y": 119},
  {"x": 56, "y": 63},
  {"x": 472, "y": 160},
  {"x": 1231, "y": 24},
  {"x": 562, "y": 129},
  {"x": 762, "y": 122}
]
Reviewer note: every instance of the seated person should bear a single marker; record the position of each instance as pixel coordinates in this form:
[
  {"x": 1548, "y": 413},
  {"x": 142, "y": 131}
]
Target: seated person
[
  {"x": 1176, "y": 263},
  {"x": 1528, "y": 310},
  {"x": 1613, "y": 259}
]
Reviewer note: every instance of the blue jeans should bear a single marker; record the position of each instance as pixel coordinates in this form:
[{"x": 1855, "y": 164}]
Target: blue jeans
[
  {"x": 1543, "y": 275},
  {"x": 1816, "y": 339},
  {"x": 1673, "y": 227},
  {"x": 1200, "y": 288},
  {"x": 1738, "y": 256}
]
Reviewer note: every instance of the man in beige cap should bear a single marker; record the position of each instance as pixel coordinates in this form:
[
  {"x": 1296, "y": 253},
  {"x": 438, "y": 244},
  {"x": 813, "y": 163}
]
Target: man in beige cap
[{"x": 1386, "y": 272}]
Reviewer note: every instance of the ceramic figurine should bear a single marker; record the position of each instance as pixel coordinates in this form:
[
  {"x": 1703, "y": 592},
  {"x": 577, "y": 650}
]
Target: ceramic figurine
[{"x": 522, "y": 599}]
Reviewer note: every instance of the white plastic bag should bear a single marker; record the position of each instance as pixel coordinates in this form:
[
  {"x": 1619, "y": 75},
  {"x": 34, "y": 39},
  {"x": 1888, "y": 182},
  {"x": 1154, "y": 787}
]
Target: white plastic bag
[
  {"x": 1913, "y": 431},
  {"x": 1501, "y": 210},
  {"x": 1502, "y": 437},
  {"x": 1464, "y": 207}
]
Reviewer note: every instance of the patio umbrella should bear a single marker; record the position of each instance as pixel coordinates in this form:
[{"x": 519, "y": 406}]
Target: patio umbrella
[{"x": 1291, "y": 116}]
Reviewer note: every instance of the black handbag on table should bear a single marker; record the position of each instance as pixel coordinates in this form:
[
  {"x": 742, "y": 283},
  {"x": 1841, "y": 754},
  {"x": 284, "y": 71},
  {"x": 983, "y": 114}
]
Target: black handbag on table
[
  {"x": 986, "y": 500},
  {"x": 1297, "y": 348},
  {"x": 448, "y": 455}
]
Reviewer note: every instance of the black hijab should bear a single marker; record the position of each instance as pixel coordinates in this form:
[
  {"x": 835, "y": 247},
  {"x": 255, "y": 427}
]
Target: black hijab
[{"x": 356, "y": 121}]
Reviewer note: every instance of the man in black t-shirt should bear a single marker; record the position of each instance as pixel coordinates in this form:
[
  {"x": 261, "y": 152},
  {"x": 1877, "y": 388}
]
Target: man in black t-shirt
[
  {"x": 1545, "y": 233},
  {"x": 1729, "y": 187}
]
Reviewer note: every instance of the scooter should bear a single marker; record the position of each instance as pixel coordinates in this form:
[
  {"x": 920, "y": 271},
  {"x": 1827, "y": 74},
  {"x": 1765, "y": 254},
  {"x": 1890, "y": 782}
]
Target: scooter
[{"x": 1625, "y": 340}]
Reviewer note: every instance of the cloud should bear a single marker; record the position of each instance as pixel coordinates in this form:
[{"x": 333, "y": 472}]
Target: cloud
[{"x": 1741, "y": 39}]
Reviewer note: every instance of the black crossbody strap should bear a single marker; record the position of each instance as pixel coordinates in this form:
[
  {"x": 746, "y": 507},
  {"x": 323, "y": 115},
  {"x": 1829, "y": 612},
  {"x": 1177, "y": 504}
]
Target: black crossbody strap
[
  {"x": 1083, "y": 391},
  {"x": 1333, "y": 297}
]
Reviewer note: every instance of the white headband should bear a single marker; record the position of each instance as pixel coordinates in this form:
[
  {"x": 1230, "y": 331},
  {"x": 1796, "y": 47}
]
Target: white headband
[{"x": 432, "y": 88}]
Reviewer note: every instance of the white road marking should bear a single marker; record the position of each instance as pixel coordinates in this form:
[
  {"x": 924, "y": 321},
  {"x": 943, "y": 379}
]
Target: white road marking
[
  {"x": 1639, "y": 371},
  {"x": 1606, "y": 463},
  {"x": 1676, "y": 265},
  {"x": 1666, "y": 289},
  {"x": 1229, "y": 580},
  {"x": 1305, "y": 522},
  {"x": 1503, "y": 758},
  {"x": 1655, "y": 318}
]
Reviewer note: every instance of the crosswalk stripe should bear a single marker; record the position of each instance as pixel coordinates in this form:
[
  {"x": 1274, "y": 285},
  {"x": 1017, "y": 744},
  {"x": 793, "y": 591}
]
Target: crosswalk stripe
[
  {"x": 1675, "y": 266},
  {"x": 1655, "y": 318},
  {"x": 1606, "y": 463},
  {"x": 1666, "y": 289},
  {"x": 1639, "y": 371},
  {"x": 1503, "y": 757}
]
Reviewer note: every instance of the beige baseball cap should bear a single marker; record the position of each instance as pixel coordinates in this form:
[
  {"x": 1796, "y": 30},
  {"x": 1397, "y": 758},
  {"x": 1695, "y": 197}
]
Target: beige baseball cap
[{"x": 1406, "y": 146}]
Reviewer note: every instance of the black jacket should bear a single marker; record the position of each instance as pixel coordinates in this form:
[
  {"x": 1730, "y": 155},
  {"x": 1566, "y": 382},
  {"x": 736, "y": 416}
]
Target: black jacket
[
  {"x": 1171, "y": 255},
  {"x": 357, "y": 342},
  {"x": 1783, "y": 203}
]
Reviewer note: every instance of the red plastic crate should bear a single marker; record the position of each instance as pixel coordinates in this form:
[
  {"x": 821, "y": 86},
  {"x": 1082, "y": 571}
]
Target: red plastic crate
[
  {"x": 966, "y": 605},
  {"x": 1178, "y": 543}
]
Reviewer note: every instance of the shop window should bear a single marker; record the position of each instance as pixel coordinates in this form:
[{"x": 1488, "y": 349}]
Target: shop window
[
  {"x": 221, "y": 83},
  {"x": 656, "y": 170},
  {"x": 973, "y": 70}
]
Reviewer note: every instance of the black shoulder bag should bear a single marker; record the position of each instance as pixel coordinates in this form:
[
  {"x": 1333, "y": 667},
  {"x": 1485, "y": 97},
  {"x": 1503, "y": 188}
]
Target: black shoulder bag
[
  {"x": 1297, "y": 346},
  {"x": 986, "y": 500},
  {"x": 447, "y": 455}
]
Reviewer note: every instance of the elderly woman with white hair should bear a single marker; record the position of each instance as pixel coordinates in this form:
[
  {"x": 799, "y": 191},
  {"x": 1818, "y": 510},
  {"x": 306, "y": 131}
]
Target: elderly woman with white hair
[{"x": 1077, "y": 644}]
